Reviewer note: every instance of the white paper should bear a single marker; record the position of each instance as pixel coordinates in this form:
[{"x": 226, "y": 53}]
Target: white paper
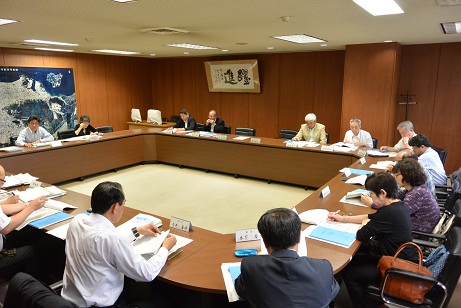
[
  {"x": 146, "y": 244},
  {"x": 60, "y": 232},
  {"x": 314, "y": 217},
  {"x": 230, "y": 287},
  {"x": 11, "y": 149},
  {"x": 33, "y": 193},
  {"x": 40, "y": 213},
  {"x": 58, "y": 205},
  {"x": 354, "y": 201},
  {"x": 241, "y": 138},
  {"x": 360, "y": 179}
]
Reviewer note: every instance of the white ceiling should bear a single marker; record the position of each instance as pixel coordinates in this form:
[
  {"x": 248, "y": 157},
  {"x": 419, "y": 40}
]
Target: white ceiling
[{"x": 104, "y": 24}]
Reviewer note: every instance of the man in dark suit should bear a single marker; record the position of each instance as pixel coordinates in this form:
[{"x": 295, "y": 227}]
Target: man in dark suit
[
  {"x": 187, "y": 121},
  {"x": 283, "y": 278},
  {"x": 214, "y": 124}
]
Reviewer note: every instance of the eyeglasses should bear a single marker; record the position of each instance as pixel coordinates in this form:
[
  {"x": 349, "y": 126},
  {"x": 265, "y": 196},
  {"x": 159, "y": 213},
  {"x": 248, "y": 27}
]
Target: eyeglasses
[
  {"x": 3, "y": 180},
  {"x": 397, "y": 174}
]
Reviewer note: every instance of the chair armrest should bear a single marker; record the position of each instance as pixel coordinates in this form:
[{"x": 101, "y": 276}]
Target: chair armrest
[
  {"x": 56, "y": 286},
  {"x": 424, "y": 243},
  {"x": 429, "y": 235}
]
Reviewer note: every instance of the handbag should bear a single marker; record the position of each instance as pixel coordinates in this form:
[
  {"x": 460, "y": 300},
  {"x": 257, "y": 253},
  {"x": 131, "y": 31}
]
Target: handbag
[{"x": 400, "y": 287}]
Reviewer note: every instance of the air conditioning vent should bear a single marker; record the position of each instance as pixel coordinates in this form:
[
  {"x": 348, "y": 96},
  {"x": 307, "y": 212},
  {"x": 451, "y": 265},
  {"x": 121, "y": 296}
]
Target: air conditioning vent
[
  {"x": 164, "y": 30},
  {"x": 448, "y": 2}
]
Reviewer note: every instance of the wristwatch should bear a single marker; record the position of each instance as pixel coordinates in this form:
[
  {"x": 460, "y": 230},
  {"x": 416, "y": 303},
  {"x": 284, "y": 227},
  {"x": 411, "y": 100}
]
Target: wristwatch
[{"x": 135, "y": 232}]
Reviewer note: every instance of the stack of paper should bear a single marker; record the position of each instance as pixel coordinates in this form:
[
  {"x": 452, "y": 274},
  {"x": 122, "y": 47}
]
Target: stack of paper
[
  {"x": 18, "y": 180},
  {"x": 357, "y": 193},
  {"x": 382, "y": 164},
  {"x": 50, "y": 214},
  {"x": 33, "y": 193},
  {"x": 314, "y": 217},
  {"x": 230, "y": 272},
  {"x": 357, "y": 180},
  {"x": 11, "y": 149}
]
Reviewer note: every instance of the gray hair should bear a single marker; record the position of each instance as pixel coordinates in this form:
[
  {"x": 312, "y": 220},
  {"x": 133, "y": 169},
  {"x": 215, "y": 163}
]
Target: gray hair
[
  {"x": 407, "y": 125},
  {"x": 84, "y": 118},
  {"x": 310, "y": 117},
  {"x": 183, "y": 111},
  {"x": 356, "y": 121}
]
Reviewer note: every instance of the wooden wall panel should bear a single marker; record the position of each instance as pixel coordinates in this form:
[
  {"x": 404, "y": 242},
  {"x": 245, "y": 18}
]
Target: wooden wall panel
[
  {"x": 184, "y": 85},
  {"x": 92, "y": 97},
  {"x": 328, "y": 88},
  {"x": 2, "y": 60},
  {"x": 296, "y": 89},
  {"x": 420, "y": 64},
  {"x": 264, "y": 106},
  {"x": 446, "y": 126},
  {"x": 370, "y": 88},
  {"x": 204, "y": 99},
  {"x": 141, "y": 87},
  {"x": 235, "y": 110},
  {"x": 22, "y": 57},
  {"x": 162, "y": 87}
]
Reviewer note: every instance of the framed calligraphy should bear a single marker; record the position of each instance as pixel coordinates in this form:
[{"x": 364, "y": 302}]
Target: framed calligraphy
[{"x": 233, "y": 76}]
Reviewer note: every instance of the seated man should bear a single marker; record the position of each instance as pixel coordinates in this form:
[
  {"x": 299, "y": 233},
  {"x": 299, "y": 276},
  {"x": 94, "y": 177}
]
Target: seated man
[
  {"x": 283, "y": 278},
  {"x": 311, "y": 131},
  {"x": 84, "y": 128},
  {"x": 407, "y": 132},
  {"x": 214, "y": 124},
  {"x": 98, "y": 256},
  {"x": 16, "y": 259},
  {"x": 187, "y": 121},
  {"x": 33, "y": 133},
  {"x": 358, "y": 136},
  {"x": 429, "y": 158}
]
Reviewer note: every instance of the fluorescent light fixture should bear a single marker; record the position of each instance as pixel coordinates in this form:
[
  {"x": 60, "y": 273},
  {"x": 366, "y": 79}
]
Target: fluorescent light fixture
[
  {"x": 190, "y": 46},
  {"x": 225, "y": 50},
  {"x": 451, "y": 27},
  {"x": 50, "y": 43},
  {"x": 380, "y": 7},
  {"x": 388, "y": 41},
  {"x": 119, "y": 52},
  {"x": 270, "y": 47},
  {"x": 458, "y": 27},
  {"x": 186, "y": 52},
  {"x": 299, "y": 38},
  {"x": 124, "y": 1},
  {"x": 6, "y": 21},
  {"x": 53, "y": 49},
  {"x": 152, "y": 55},
  {"x": 323, "y": 45}
]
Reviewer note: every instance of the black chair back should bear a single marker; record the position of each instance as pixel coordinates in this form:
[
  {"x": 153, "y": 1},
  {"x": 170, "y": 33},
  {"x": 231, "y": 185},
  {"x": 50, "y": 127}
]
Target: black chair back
[
  {"x": 227, "y": 129},
  {"x": 13, "y": 140},
  {"x": 65, "y": 134},
  {"x": 442, "y": 153},
  {"x": 175, "y": 118},
  {"x": 287, "y": 133},
  {"x": 200, "y": 126},
  {"x": 328, "y": 137},
  {"x": 104, "y": 129},
  {"x": 245, "y": 131},
  {"x": 375, "y": 143}
]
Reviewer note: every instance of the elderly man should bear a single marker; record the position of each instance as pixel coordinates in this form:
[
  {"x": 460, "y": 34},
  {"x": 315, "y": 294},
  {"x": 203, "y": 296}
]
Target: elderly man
[
  {"x": 283, "y": 278},
  {"x": 429, "y": 158},
  {"x": 98, "y": 256},
  {"x": 33, "y": 133},
  {"x": 407, "y": 132},
  {"x": 214, "y": 124},
  {"x": 311, "y": 131},
  {"x": 187, "y": 121},
  {"x": 358, "y": 136},
  {"x": 12, "y": 214}
]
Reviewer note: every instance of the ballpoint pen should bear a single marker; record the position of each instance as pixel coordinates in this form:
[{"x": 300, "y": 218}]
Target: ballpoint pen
[{"x": 174, "y": 255}]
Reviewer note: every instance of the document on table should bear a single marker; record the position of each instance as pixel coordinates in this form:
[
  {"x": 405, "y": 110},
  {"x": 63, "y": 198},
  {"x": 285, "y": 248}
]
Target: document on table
[
  {"x": 357, "y": 171},
  {"x": 230, "y": 271},
  {"x": 41, "y": 144},
  {"x": 50, "y": 220},
  {"x": 11, "y": 149},
  {"x": 314, "y": 217},
  {"x": 35, "y": 192},
  {"x": 354, "y": 201},
  {"x": 382, "y": 164},
  {"x": 76, "y": 138},
  {"x": 60, "y": 232},
  {"x": 335, "y": 233},
  {"x": 241, "y": 138},
  {"x": 38, "y": 214},
  {"x": 18, "y": 180},
  {"x": 360, "y": 179}
]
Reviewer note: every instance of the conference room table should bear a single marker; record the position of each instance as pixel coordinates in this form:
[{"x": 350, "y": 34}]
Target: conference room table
[{"x": 198, "y": 267}]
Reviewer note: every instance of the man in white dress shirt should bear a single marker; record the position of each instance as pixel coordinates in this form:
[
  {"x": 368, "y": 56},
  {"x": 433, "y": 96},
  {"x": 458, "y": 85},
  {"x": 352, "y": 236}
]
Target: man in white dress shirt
[
  {"x": 429, "y": 158},
  {"x": 98, "y": 256},
  {"x": 358, "y": 136},
  {"x": 33, "y": 133},
  {"x": 407, "y": 132}
]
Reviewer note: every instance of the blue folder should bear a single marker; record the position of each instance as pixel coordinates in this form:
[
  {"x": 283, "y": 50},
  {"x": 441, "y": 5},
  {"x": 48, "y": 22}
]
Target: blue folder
[
  {"x": 234, "y": 272},
  {"x": 360, "y": 171},
  {"x": 49, "y": 220},
  {"x": 333, "y": 236}
]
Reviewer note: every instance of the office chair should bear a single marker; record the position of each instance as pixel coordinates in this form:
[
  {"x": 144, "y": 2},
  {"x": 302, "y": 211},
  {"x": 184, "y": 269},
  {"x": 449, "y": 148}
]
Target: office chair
[
  {"x": 65, "y": 134},
  {"x": 200, "y": 126},
  {"x": 287, "y": 133},
  {"x": 25, "y": 291},
  {"x": 13, "y": 140},
  {"x": 227, "y": 129},
  {"x": 245, "y": 131},
  {"x": 104, "y": 129},
  {"x": 442, "y": 153},
  {"x": 443, "y": 286},
  {"x": 328, "y": 137},
  {"x": 175, "y": 118},
  {"x": 4, "y": 145},
  {"x": 375, "y": 143}
]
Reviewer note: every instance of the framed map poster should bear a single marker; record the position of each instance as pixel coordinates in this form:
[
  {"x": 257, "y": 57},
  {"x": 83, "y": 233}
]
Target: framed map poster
[{"x": 233, "y": 76}]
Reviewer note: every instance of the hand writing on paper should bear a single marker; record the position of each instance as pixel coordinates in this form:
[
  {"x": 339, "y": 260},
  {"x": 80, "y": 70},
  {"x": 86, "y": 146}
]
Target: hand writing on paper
[{"x": 149, "y": 229}]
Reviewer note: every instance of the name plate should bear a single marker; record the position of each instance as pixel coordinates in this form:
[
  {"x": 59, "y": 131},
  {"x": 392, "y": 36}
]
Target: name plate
[
  {"x": 255, "y": 140},
  {"x": 56, "y": 143},
  {"x": 325, "y": 192},
  {"x": 327, "y": 148},
  {"x": 195, "y": 134},
  {"x": 168, "y": 131},
  {"x": 292, "y": 144},
  {"x": 362, "y": 160},
  {"x": 362, "y": 153},
  {"x": 247, "y": 235},
  {"x": 93, "y": 137},
  {"x": 181, "y": 224},
  {"x": 34, "y": 184},
  {"x": 221, "y": 137},
  {"x": 347, "y": 172}
]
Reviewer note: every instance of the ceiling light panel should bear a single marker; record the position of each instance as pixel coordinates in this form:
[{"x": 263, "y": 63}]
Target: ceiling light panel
[
  {"x": 6, "y": 21},
  {"x": 53, "y": 49},
  {"x": 299, "y": 38},
  {"x": 191, "y": 46},
  {"x": 50, "y": 43},
  {"x": 119, "y": 52},
  {"x": 381, "y": 7},
  {"x": 451, "y": 27}
]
